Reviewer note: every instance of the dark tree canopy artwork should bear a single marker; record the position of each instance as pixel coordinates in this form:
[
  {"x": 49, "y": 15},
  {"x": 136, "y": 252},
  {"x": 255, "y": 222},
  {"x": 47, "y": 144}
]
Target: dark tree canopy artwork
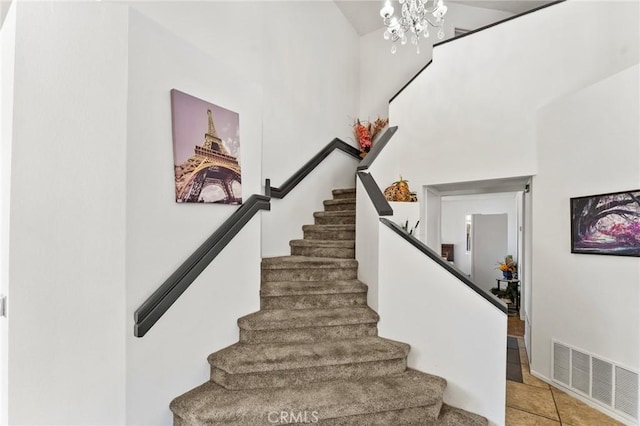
[{"x": 606, "y": 224}]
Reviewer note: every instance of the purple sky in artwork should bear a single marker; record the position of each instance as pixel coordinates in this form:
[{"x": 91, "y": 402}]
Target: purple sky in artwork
[{"x": 189, "y": 117}]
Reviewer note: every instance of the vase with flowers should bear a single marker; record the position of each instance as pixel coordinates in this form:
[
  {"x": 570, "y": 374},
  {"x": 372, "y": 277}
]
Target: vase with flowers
[
  {"x": 509, "y": 267},
  {"x": 365, "y": 133}
]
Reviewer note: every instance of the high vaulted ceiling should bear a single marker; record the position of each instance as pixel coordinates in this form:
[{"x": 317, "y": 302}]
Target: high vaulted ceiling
[{"x": 364, "y": 15}]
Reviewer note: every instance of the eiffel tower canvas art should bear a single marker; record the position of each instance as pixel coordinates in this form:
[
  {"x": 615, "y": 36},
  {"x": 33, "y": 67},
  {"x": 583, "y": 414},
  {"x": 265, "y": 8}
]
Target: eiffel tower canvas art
[{"x": 206, "y": 151}]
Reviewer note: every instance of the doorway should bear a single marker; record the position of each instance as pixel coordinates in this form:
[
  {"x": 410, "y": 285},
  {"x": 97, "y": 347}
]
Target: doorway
[{"x": 447, "y": 214}]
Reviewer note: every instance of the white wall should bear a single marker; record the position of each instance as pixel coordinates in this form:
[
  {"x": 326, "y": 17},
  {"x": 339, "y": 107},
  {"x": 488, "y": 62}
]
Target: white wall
[
  {"x": 84, "y": 212},
  {"x": 67, "y": 229},
  {"x": 7, "y": 63},
  {"x": 171, "y": 358},
  {"x": 311, "y": 96},
  {"x": 461, "y": 124},
  {"x": 477, "y": 121},
  {"x": 589, "y": 142},
  {"x": 308, "y": 75},
  {"x": 4, "y": 10},
  {"x": 367, "y": 222},
  {"x": 93, "y": 137},
  {"x": 382, "y": 74},
  {"x": 444, "y": 321},
  {"x": 404, "y": 212},
  {"x": 454, "y": 212},
  {"x": 284, "y": 222}
]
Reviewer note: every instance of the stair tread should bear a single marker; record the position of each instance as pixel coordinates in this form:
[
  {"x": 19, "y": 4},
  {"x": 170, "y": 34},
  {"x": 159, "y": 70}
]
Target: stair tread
[
  {"x": 452, "y": 416},
  {"x": 211, "y": 403},
  {"x": 324, "y": 243},
  {"x": 293, "y": 288},
  {"x": 262, "y": 357},
  {"x": 278, "y": 319},
  {"x": 306, "y": 262},
  {"x": 313, "y": 347}
]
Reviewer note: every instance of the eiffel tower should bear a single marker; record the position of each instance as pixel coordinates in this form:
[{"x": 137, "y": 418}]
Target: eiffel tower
[{"x": 211, "y": 164}]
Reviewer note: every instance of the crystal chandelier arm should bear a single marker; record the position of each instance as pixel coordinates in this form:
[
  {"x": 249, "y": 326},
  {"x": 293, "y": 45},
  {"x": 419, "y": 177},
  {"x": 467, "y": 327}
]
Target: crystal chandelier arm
[
  {"x": 415, "y": 17},
  {"x": 436, "y": 24},
  {"x": 434, "y": 5}
]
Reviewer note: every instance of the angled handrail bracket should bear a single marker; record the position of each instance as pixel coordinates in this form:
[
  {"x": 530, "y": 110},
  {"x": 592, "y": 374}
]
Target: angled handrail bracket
[
  {"x": 304, "y": 171},
  {"x": 377, "y": 148},
  {"x": 376, "y": 196}
]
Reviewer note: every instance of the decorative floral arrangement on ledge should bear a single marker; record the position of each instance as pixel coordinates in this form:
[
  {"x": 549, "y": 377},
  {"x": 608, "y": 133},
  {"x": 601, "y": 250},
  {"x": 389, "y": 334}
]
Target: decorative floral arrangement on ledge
[
  {"x": 509, "y": 267},
  {"x": 399, "y": 191},
  {"x": 365, "y": 133}
]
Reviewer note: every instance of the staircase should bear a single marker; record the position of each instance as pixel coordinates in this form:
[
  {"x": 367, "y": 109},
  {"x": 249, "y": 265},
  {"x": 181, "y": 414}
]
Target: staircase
[{"x": 312, "y": 353}]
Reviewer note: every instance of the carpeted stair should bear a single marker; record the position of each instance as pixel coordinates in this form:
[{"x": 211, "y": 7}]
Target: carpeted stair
[{"x": 312, "y": 353}]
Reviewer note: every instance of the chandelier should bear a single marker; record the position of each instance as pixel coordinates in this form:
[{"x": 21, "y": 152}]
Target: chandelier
[{"x": 416, "y": 17}]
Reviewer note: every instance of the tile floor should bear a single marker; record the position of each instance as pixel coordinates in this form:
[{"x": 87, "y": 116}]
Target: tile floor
[{"x": 535, "y": 403}]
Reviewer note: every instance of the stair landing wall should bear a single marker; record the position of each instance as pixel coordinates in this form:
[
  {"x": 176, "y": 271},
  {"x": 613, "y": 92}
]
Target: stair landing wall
[{"x": 454, "y": 332}]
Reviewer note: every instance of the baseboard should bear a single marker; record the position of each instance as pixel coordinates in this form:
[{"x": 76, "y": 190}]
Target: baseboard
[{"x": 587, "y": 401}]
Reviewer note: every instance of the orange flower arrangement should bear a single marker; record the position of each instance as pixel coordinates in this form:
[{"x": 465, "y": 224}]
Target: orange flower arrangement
[
  {"x": 366, "y": 132},
  {"x": 509, "y": 265}
]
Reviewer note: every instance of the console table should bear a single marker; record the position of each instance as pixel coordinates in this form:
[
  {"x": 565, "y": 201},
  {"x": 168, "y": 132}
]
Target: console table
[{"x": 512, "y": 290}]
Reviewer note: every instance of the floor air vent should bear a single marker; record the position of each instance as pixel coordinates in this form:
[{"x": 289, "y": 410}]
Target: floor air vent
[
  {"x": 604, "y": 382},
  {"x": 626, "y": 392},
  {"x": 580, "y": 371},
  {"x": 561, "y": 363}
]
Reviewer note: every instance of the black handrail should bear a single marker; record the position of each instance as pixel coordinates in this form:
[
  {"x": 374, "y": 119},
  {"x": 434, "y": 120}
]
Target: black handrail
[
  {"x": 410, "y": 81},
  {"x": 383, "y": 208},
  {"x": 377, "y": 147},
  {"x": 159, "y": 302},
  {"x": 297, "y": 177},
  {"x": 438, "y": 259},
  {"x": 502, "y": 21},
  {"x": 376, "y": 196}
]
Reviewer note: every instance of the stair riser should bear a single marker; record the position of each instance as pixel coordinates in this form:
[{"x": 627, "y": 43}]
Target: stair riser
[
  {"x": 314, "y": 301},
  {"x": 407, "y": 416},
  {"x": 344, "y": 195},
  {"x": 318, "y": 274},
  {"x": 341, "y": 253},
  {"x": 397, "y": 399},
  {"x": 423, "y": 416},
  {"x": 306, "y": 375},
  {"x": 335, "y": 220},
  {"x": 313, "y": 234},
  {"x": 179, "y": 421},
  {"x": 340, "y": 207},
  {"x": 308, "y": 335}
]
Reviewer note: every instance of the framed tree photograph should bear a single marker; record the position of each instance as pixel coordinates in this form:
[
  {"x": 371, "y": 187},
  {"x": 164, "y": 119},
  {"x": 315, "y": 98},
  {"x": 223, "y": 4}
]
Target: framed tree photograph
[{"x": 606, "y": 224}]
